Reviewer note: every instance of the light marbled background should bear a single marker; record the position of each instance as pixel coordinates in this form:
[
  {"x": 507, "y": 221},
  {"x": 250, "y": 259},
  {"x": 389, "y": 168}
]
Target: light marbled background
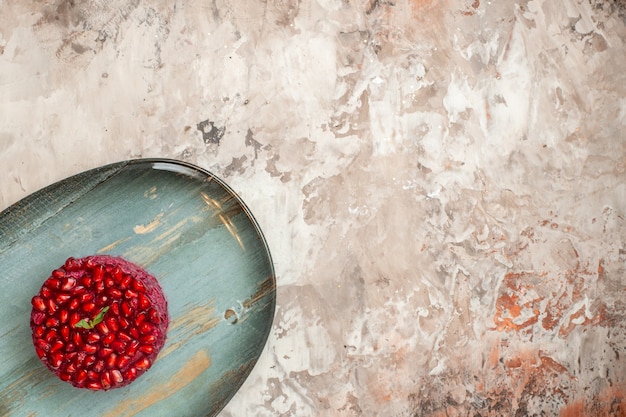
[{"x": 441, "y": 183}]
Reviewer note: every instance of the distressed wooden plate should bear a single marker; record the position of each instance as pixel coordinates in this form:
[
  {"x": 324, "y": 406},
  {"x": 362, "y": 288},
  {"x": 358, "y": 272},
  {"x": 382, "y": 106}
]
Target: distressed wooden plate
[{"x": 184, "y": 226}]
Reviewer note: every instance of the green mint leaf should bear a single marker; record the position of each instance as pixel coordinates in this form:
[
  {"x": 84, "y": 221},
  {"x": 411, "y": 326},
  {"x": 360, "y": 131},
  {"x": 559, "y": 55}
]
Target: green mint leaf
[
  {"x": 83, "y": 324},
  {"x": 99, "y": 317},
  {"x": 90, "y": 324}
]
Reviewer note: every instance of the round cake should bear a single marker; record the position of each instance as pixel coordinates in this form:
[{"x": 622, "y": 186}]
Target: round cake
[{"x": 99, "y": 322}]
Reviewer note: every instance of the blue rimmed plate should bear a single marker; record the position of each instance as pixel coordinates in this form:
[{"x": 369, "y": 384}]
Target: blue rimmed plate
[{"x": 185, "y": 227}]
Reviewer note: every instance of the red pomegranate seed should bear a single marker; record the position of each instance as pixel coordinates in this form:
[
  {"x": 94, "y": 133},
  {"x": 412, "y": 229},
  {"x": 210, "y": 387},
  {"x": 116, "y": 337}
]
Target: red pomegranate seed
[
  {"x": 111, "y": 360},
  {"x": 40, "y": 352},
  {"x": 147, "y": 349},
  {"x": 86, "y": 280},
  {"x": 64, "y": 316},
  {"x": 102, "y": 328},
  {"x": 132, "y": 347},
  {"x": 124, "y": 337},
  {"x": 52, "y": 306},
  {"x": 68, "y": 284},
  {"x": 58, "y": 345},
  {"x": 93, "y": 337},
  {"x": 123, "y": 361},
  {"x": 143, "y": 363},
  {"x": 106, "y": 380},
  {"x": 65, "y": 376},
  {"x": 38, "y": 303},
  {"x": 89, "y": 349},
  {"x": 108, "y": 339},
  {"x": 85, "y": 297},
  {"x": 126, "y": 309},
  {"x": 39, "y": 331},
  {"x": 58, "y": 273},
  {"x": 45, "y": 292},
  {"x": 62, "y": 298},
  {"x": 51, "y": 336},
  {"x": 124, "y": 323},
  {"x": 78, "y": 289},
  {"x": 116, "y": 376},
  {"x": 140, "y": 319},
  {"x": 42, "y": 344},
  {"x": 98, "y": 273},
  {"x": 93, "y": 385},
  {"x": 98, "y": 366},
  {"x": 74, "y": 318},
  {"x": 89, "y": 307},
  {"x": 52, "y": 322},
  {"x": 128, "y": 294},
  {"x": 130, "y": 373},
  {"x": 104, "y": 352},
  {"x": 56, "y": 359},
  {"x": 81, "y": 376},
  {"x": 147, "y": 328},
  {"x": 89, "y": 360},
  {"x": 73, "y": 304},
  {"x": 118, "y": 346},
  {"x": 38, "y": 317},
  {"x": 65, "y": 333},
  {"x": 70, "y": 347},
  {"x": 115, "y": 293},
  {"x": 99, "y": 287},
  {"x": 138, "y": 286},
  {"x": 112, "y": 324},
  {"x": 125, "y": 282}
]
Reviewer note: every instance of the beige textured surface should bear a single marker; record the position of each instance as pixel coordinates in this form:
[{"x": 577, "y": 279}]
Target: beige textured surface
[{"x": 441, "y": 183}]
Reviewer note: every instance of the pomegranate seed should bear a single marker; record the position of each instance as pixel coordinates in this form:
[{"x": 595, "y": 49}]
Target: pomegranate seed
[
  {"x": 111, "y": 360},
  {"x": 138, "y": 286},
  {"x": 70, "y": 348},
  {"x": 51, "y": 336},
  {"x": 108, "y": 339},
  {"x": 86, "y": 280},
  {"x": 81, "y": 376},
  {"x": 42, "y": 344},
  {"x": 104, "y": 352},
  {"x": 58, "y": 345},
  {"x": 123, "y": 361},
  {"x": 115, "y": 293},
  {"x": 106, "y": 380},
  {"x": 125, "y": 282},
  {"x": 93, "y": 385},
  {"x": 124, "y": 323},
  {"x": 85, "y": 297},
  {"x": 153, "y": 315},
  {"x": 68, "y": 284},
  {"x": 39, "y": 331},
  {"x": 132, "y": 347},
  {"x": 102, "y": 328},
  {"x": 116, "y": 376},
  {"x": 112, "y": 324},
  {"x": 109, "y": 282},
  {"x": 64, "y": 315},
  {"x": 52, "y": 322},
  {"x": 38, "y": 303},
  {"x": 130, "y": 373},
  {"x": 92, "y": 337},
  {"x": 140, "y": 318},
  {"x": 99, "y": 287},
  {"x": 65, "y": 333},
  {"x": 90, "y": 262},
  {"x": 52, "y": 307},
  {"x": 98, "y": 366},
  {"x": 89, "y": 360},
  {"x": 53, "y": 283},
  {"x": 147, "y": 349},
  {"x": 143, "y": 363},
  {"x": 62, "y": 298},
  {"x": 45, "y": 292},
  {"x": 115, "y": 308},
  {"x": 65, "y": 376},
  {"x": 117, "y": 274},
  {"x": 89, "y": 307},
  {"x": 74, "y": 318},
  {"x": 144, "y": 302},
  {"x": 134, "y": 332},
  {"x": 58, "y": 273},
  {"x": 79, "y": 289},
  {"x": 70, "y": 368},
  {"x": 72, "y": 264},
  {"x": 128, "y": 294},
  {"x": 56, "y": 359},
  {"x": 40, "y": 352},
  {"x": 146, "y": 328},
  {"x": 90, "y": 349},
  {"x": 77, "y": 339},
  {"x": 38, "y": 317},
  {"x": 73, "y": 304},
  {"x": 124, "y": 337},
  {"x": 98, "y": 273},
  {"x": 126, "y": 309},
  {"x": 118, "y": 346}
]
